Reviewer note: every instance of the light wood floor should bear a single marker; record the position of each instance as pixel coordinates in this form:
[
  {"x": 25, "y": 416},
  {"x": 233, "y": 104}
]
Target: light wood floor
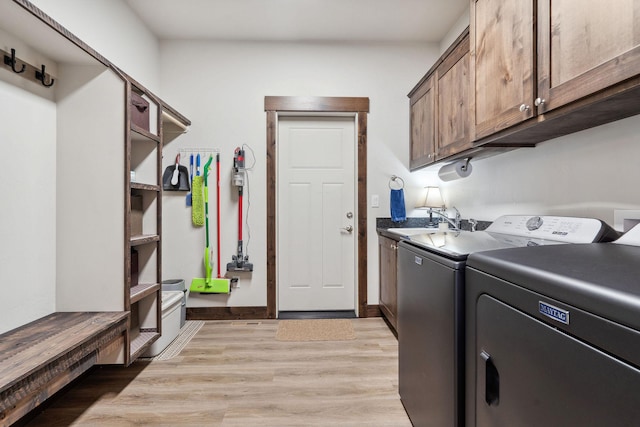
[{"x": 237, "y": 374}]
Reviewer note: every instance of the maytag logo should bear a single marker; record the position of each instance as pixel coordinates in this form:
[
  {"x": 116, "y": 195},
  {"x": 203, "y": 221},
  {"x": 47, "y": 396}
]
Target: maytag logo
[{"x": 553, "y": 312}]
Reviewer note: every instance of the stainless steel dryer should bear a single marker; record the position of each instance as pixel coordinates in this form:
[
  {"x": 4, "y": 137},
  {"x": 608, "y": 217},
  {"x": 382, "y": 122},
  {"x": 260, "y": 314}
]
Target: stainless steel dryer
[
  {"x": 431, "y": 288},
  {"x": 553, "y": 336}
]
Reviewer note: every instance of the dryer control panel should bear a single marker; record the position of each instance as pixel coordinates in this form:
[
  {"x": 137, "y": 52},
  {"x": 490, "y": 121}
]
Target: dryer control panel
[{"x": 557, "y": 228}]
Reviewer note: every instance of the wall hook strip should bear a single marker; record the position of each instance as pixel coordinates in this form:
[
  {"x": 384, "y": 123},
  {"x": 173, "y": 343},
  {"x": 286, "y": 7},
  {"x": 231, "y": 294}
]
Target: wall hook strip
[
  {"x": 27, "y": 70},
  {"x": 11, "y": 60}
]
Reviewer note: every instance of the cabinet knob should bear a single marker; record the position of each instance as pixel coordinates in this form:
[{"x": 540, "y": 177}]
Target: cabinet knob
[
  {"x": 539, "y": 102},
  {"x": 429, "y": 155},
  {"x": 524, "y": 108}
]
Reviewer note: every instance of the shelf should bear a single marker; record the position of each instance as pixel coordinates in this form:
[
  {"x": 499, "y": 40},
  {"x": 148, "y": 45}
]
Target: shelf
[
  {"x": 146, "y": 187},
  {"x": 143, "y": 290},
  {"x": 144, "y": 239},
  {"x": 141, "y": 342},
  {"x": 139, "y": 134},
  {"x": 172, "y": 127}
]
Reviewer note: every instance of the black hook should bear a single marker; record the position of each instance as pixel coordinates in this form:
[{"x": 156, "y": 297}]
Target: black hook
[
  {"x": 40, "y": 76},
  {"x": 12, "y": 61}
]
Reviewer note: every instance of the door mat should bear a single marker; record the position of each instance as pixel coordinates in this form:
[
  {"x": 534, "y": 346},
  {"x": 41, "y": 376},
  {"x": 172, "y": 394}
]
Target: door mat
[
  {"x": 188, "y": 331},
  {"x": 315, "y": 330}
]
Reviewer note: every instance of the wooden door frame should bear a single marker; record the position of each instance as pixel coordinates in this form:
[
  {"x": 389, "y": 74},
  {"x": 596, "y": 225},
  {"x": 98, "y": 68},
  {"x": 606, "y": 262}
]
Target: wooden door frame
[{"x": 273, "y": 105}]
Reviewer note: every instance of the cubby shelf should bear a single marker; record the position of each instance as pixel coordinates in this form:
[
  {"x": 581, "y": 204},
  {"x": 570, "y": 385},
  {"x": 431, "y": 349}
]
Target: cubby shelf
[
  {"x": 141, "y": 342},
  {"x": 139, "y": 134},
  {"x": 144, "y": 239},
  {"x": 143, "y": 290},
  {"x": 144, "y": 187}
]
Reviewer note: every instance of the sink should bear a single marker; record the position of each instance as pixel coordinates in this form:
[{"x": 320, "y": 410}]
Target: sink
[{"x": 408, "y": 232}]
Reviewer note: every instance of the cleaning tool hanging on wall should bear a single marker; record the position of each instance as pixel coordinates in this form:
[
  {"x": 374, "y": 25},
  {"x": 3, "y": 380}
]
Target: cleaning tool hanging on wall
[
  {"x": 208, "y": 285},
  {"x": 219, "y": 282},
  {"x": 197, "y": 207},
  {"x": 188, "y": 199},
  {"x": 240, "y": 261}
]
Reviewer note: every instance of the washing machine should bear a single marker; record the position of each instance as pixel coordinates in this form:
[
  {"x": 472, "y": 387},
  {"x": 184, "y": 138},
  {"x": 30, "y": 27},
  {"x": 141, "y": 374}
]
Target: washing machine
[
  {"x": 553, "y": 335},
  {"x": 431, "y": 312}
]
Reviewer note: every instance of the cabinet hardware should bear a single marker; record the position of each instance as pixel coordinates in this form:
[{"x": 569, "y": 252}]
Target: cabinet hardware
[
  {"x": 539, "y": 102},
  {"x": 524, "y": 108}
]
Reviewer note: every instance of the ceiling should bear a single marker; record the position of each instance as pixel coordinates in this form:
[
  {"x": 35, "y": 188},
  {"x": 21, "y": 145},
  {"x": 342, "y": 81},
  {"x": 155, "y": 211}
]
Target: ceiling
[{"x": 301, "y": 20}]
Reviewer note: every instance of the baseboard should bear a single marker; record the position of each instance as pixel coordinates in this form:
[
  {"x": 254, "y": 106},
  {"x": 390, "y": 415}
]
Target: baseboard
[
  {"x": 226, "y": 313},
  {"x": 374, "y": 311}
]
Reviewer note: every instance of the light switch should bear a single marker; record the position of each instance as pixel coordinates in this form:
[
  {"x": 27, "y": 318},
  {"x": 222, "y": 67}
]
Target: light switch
[{"x": 375, "y": 201}]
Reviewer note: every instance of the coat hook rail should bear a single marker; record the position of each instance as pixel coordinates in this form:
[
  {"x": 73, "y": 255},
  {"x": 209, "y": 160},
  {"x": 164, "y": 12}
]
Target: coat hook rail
[{"x": 27, "y": 70}]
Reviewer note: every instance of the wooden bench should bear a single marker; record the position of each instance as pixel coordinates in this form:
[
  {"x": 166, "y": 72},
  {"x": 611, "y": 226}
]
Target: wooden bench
[{"x": 40, "y": 358}]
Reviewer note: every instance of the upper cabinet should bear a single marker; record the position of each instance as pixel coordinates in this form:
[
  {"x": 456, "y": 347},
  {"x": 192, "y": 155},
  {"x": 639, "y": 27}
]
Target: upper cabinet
[
  {"x": 542, "y": 69},
  {"x": 503, "y": 52},
  {"x": 423, "y": 123},
  {"x": 439, "y": 106},
  {"x": 585, "y": 48}
]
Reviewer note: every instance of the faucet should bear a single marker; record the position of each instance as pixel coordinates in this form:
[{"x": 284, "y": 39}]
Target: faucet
[
  {"x": 456, "y": 223},
  {"x": 474, "y": 223}
]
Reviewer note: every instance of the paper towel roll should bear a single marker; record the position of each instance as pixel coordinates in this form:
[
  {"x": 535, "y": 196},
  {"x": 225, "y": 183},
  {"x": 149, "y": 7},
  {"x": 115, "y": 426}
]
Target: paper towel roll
[{"x": 456, "y": 170}]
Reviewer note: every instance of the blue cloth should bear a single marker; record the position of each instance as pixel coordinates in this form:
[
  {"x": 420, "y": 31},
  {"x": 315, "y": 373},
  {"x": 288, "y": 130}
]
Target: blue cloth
[{"x": 398, "y": 211}]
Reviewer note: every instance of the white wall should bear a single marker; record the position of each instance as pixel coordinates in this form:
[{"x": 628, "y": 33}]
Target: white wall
[
  {"x": 112, "y": 29},
  {"x": 589, "y": 173},
  {"x": 221, "y": 88},
  {"x": 28, "y": 213}
]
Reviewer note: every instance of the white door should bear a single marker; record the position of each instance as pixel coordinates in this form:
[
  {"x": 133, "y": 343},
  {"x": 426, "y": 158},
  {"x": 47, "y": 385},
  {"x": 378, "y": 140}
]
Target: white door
[{"x": 316, "y": 213}]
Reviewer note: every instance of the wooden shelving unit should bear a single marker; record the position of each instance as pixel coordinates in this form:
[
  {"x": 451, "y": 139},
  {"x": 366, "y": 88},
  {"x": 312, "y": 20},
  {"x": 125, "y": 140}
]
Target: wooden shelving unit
[{"x": 84, "y": 126}]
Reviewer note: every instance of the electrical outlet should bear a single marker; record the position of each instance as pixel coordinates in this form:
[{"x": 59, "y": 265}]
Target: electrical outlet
[
  {"x": 375, "y": 201},
  {"x": 625, "y": 219}
]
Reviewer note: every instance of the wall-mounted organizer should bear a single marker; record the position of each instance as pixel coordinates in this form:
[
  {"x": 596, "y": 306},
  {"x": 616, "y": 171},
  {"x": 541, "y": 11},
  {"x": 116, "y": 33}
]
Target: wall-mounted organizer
[{"x": 101, "y": 252}]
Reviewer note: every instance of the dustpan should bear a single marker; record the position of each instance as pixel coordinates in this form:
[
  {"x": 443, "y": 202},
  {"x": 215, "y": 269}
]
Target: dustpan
[
  {"x": 183, "y": 179},
  {"x": 209, "y": 285}
]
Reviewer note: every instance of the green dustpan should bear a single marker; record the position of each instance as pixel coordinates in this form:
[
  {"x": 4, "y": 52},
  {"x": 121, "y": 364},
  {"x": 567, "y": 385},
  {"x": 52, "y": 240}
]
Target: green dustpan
[{"x": 208, "y": 285}]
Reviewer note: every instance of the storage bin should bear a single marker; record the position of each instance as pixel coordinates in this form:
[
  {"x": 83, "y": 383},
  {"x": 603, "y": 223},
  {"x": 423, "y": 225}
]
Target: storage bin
[
  {"x": 178, "y": 285},
  {"x": 171, "y": 301},
  {"x": 139, "y": 111}
]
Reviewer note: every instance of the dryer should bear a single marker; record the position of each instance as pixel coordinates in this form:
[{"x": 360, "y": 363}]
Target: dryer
[{"x": 553, "y": 335}]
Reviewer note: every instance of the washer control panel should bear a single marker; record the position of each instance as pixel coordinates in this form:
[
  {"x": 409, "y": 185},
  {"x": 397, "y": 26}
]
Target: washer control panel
[{"x": 557, "y": 228}]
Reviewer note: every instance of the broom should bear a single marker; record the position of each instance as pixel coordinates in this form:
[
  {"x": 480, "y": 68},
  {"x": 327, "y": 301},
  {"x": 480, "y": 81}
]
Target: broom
[{"x": 208, "y": 285}]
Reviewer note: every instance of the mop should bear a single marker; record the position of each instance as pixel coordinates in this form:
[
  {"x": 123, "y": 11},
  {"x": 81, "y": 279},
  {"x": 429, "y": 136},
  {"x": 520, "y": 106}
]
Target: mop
[{"x": 209, "y": 285}]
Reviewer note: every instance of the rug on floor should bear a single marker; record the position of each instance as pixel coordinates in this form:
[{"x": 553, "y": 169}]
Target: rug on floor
[
  {"x": 188, "y": 331},
  {"x": 315, "y": 330}
]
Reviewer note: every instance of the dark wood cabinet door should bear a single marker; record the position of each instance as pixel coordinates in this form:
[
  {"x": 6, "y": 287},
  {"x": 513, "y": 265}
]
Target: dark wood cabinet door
[
  {"x": 423, "y": 125},
  {"x": 502, "y": 64},
  {"x": 585, "y": 47},
  {"x": 388, "y": 279},
  {"x": 453, "y": 102}
]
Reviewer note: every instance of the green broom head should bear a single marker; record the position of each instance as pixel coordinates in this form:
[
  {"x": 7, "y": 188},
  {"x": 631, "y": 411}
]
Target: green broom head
[
  {"x": 215, "y": 286},
  {"x": 197, "y": 201}
]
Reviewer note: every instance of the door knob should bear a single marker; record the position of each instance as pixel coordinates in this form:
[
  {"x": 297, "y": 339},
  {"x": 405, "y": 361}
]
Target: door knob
[{"x": 348, "y": 229}]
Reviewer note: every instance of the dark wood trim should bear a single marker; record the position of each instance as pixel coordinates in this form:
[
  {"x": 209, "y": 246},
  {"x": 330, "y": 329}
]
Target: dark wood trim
[
  {"x": 227, "y": 313},
  {"x": 315, "y": 104},
  {"x": 271, "y": 214},
  {"x": 362, "y": 214},
  {"x": 359, "y": 106},
  {"x": 374, "y": 311}
]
